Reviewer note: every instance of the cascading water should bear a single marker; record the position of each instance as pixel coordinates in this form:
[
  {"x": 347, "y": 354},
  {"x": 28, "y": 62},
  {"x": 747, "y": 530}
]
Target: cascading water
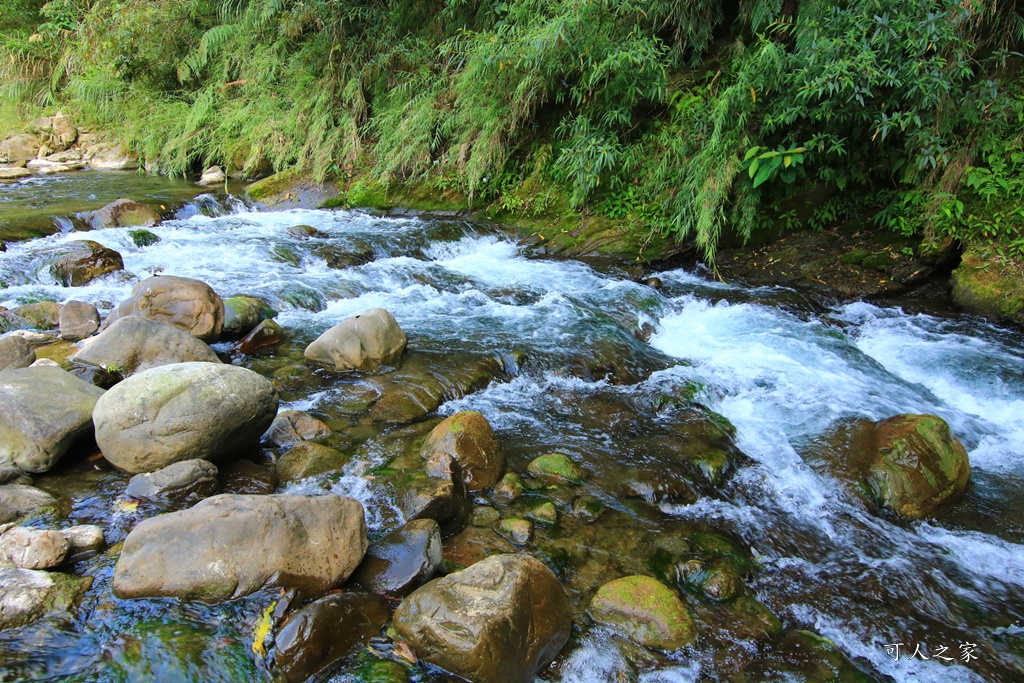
[{"x": 578, "y": 378}]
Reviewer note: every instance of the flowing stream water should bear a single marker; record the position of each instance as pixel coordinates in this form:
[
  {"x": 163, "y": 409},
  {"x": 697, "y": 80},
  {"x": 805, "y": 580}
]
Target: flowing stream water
[{"x": 588, "y": 362}]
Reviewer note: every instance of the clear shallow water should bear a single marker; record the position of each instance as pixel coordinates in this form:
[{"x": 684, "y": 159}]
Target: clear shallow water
[{"x": 783, "y": 373}]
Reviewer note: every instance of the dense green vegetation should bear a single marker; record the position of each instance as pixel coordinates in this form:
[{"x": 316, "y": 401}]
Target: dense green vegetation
[{"x": 679, "y": 116}]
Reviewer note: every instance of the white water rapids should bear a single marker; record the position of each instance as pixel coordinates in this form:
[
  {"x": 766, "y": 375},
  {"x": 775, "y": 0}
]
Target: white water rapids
[{"x": 780, "y": 373}]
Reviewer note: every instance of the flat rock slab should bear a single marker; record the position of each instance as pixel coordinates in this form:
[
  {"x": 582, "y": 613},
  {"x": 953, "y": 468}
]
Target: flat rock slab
[
  {"x": 43, "y": 411},
  {"x": 228, "y": 546}
]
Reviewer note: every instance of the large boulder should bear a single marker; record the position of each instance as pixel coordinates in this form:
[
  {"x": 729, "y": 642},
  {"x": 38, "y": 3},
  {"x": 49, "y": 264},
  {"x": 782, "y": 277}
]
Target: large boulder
[
  {"x": 44, "y": 315},
  {"x": 131, "y": 345},
  {"x": 186, "y": 481},
  {"x": 364, "y": 342},
  {"x": 323, "y": 631},
  {"x": 21, "y": 147},
  {"x": 43, "y": 411},
  {"x": 79, "y": 262},
  {"x": 63, "y": 132},
  {"x": 185, "y": 303},
  {"x": 26, "y": 594},
  {"x": 982, "y": 286},
  {"x": 467, "y": 438},
  {"x": 106, "y": 157},
  {"x": 19, "y": 500},
  {"x": 15, "y": 353},
  {"x": 182, "y": 412},
  {"x": 402, "y": 560},
  {"x": 498, "y": 621},
  {"x": 229, "y": 546},
  {"x": 917, "y": 465},
  {"x": 645, "y": 610},
  {"x": 78, "y": 320},
  {"x": 30, "y": 548},
  {"x": 123, "y": 213}
]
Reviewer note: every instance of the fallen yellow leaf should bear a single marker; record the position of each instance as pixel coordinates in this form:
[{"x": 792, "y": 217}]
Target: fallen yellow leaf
[{"x": 266, "y": 620}]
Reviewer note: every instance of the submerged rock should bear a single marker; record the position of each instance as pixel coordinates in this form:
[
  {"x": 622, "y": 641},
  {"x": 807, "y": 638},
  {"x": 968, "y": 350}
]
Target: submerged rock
[
  {"x": 83, "y": 538},
  {"x": 246, "y": 477},
  {"x": 467, "y": 438},
  {"x": 78, "y": 320},
  {"x": 325, "y": 630},
  {"x": 509, "y": 488},
  {"x": 308, "y": 459},
  {"x": 402, "y": 560},
  {"x": 364, "y": 342},
  {"x": 43, "y": 411},
  {"x": 498, "y": 621},
  {"x": 555, "y": 468},
  {"x": 123, "y": 213},
  {"x": 27, "y": 595},
  {"x": 78, "y": 263},
  {"x": 185, "y": 481},
  {"x": 228, "y": 546},
  {"x": 133, "y": 344},
  {"x": 268, "y": 333},
  {"x": 182, "y": 412},
  {"x": 645, "y": 610},
  {"x": 15, "y": 353},
  {"x": 474, "y": 545},
  {"x": 182, "y": 302},
  {"x": 19, "y": 500},
  {"x": 32, "y": 548}
]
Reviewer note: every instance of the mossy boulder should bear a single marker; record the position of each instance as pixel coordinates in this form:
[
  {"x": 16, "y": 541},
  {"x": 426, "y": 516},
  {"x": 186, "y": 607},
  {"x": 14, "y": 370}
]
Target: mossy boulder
[
  {"x": 556, "y": 468},
  {"x": 123, "y": 213},
  {"x": 44, "y": 315},
  {"x": 308, "y": 459},
  {"x": 242, "y": 314},
  {"x": 919, "y": 465},
  {"x": 143, "y": 238},
  {"x": 984, "y": 285},
  {"x": 27, "y": 594},
  {"x": 645, "y": 610},
  {"x": 467, "y": 438}
]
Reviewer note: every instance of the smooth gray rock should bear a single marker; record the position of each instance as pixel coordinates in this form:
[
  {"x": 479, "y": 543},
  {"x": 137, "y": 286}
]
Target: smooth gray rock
[
  {"x": 18, "y": 500},
  {"x": 185, "y": 303},
  {"x": 78, "y": 320},
  {"x": 83, "y": 538},
  {"x": 229, "y": 546},
  {"x": 15, "y": 353},
  {"x": 43, "y": 411},
  {"x": 188, "y": 480},
  {"x": 182, "y": 412},
  {"x": 29, "y": 548},
  {"x": 364, "y": 342},
  {"x": 133, "y": 344},
  {"x": 27, "y": 595}
]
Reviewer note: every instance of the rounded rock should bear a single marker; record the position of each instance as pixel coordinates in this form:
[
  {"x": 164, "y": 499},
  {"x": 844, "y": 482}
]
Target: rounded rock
[
  {"x": 467, "y": 438},
  {"x": 364, "y": 342},
  {"x": 645, "y": 610},
  {"x": 185, "y": 303}
]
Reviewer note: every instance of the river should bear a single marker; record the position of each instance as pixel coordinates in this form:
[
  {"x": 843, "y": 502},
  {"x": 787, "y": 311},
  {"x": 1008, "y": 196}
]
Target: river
[{"x": 587, "y": 358}]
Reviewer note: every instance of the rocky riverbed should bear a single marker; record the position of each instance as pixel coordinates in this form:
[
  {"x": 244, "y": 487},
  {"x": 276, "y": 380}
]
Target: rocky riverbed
[{"x": 283, "y": 445}]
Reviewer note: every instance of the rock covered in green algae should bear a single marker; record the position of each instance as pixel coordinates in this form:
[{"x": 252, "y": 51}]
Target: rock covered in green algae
[
  {"x": 28, "y": 594},
  {"x": 919, "y": 465},
  {"x": 509, "y": 488},
  {"x": 982, "y": 285},
  {"x": 308, "y": 459},
  {"x": 555, "y": 468},
  {"x": 466, "y": 437},
  {"x": 645, "y": 610},
  {"x": 519, "y": 531},
  {"x": 242, "y": 314},
  {"x": 498, "y": 621}
]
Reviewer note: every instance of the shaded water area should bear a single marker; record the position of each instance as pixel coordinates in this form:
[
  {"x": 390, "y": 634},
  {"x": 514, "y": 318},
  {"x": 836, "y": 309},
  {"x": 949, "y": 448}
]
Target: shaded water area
[{"x": 697, "y": 411}]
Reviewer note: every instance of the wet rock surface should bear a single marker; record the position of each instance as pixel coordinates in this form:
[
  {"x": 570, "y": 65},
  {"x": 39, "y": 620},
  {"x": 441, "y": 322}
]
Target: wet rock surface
[
  {"x": 184, "y": 481},
  {"x": 500, "y": 620},
  {"x": 182, "y": 412},
  {"x": 401, "y": 560},
  {"x": 134, "y": 344},
  {"x": 307, "y": 459},
  {"x": 293, "y": 426},
  {"x": 314, "y": 637},
  {"x": 311, "y": 543},
  {"x": 365, "y": 342},
  {"x": 468, "y": 439},
  {"x": 19, "y": 500},
  {"x": 181, "y": 302},
  {"x": 80, "y": 262},
  {"x": 641, "y": 608},
  {"x": 43, "y": 412}
]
